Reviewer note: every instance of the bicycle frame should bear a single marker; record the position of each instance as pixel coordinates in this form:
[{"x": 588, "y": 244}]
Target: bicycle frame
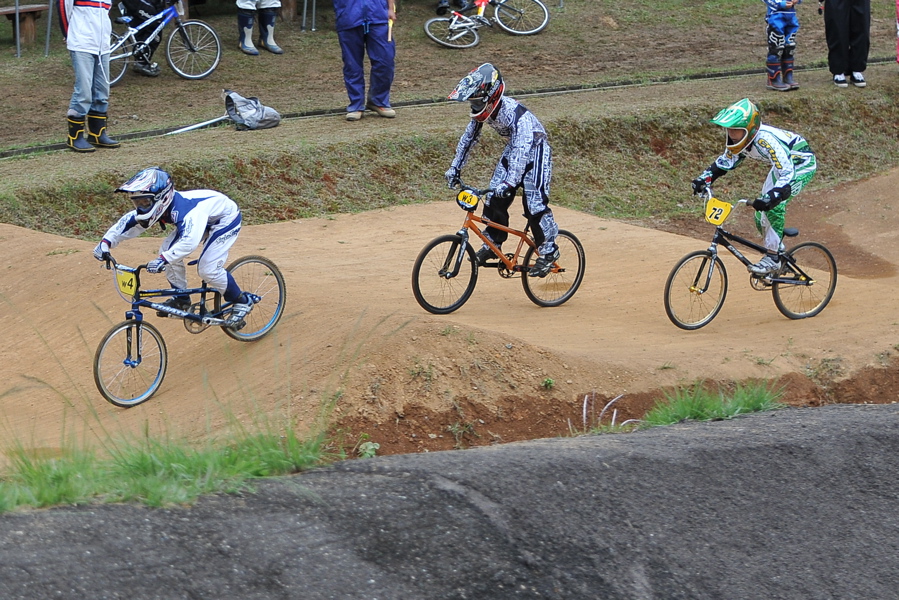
[
  {"x": 462, "y": 21},
  {"x": 727, "y": 239},
  {"x": 128, "y": 284},
  {"x": 173, "y": 12}
]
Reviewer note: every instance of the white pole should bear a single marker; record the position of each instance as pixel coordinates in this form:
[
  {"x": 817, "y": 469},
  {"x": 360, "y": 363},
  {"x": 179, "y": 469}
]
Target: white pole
[{"x": 199, "y": 125}]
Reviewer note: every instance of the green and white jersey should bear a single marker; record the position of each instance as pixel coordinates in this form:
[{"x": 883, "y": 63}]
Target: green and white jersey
[{"x": 791, "y": 158}]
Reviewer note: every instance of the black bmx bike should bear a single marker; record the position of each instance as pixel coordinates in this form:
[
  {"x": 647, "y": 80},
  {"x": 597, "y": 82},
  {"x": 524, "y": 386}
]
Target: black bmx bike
[{"x": 697, "y": 285}]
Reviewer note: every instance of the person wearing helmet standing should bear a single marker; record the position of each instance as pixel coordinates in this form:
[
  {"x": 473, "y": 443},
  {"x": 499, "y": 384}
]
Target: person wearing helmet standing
[
  {"x": 526, "y": 163},
  {"x": 792, "y": 162},
  {"x": 198, "y": 217}
]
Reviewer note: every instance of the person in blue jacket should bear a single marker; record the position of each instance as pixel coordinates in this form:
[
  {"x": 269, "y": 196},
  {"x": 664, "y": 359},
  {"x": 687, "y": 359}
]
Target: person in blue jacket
[{"x": 366, "y": 26}]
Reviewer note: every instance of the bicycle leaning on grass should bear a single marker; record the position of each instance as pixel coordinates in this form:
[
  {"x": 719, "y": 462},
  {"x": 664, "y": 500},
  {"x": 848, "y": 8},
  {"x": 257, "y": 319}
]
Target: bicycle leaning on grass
[
  {"x": 519, "y": 17},
  {"x": 697, "y": 285},
  {"x": 446, "y": 270},
  {"x": 130, "y": 362},
  {"x": 193, "y": 49}
]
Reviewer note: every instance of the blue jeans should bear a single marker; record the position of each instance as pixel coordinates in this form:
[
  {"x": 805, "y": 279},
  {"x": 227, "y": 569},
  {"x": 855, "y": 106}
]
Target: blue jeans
[
  {"x": 91, "y": 83},
  {"x": 354, "y": 43}
]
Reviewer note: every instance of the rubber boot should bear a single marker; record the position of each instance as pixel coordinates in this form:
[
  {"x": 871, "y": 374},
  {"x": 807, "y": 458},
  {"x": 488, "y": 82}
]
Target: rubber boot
[
  {"x": 787, "y": 67},
  {"x": 96, "y": 131},
  {"x": 267, "y": 18},
  {"x": 245, "y": 20},
  {"x": 76, "y": 139},
  {"x": 775, "y": 81}
]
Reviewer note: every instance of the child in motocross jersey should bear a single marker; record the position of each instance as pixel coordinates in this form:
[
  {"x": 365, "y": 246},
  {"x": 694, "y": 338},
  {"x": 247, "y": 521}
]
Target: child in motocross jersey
[
  {"x": 792, "y": 162},
  {"x": 781, "y": 31},
  {"x": 199, "y": 217},
  {"x": 526, "y": 162}
]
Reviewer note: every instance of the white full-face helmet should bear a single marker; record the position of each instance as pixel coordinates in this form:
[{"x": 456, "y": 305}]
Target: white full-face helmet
[{"x": 151, "y": 191}]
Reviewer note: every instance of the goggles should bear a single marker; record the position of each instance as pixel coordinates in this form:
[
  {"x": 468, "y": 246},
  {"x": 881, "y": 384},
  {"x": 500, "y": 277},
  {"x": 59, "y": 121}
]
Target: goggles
[{"x": 143, "y": 202}]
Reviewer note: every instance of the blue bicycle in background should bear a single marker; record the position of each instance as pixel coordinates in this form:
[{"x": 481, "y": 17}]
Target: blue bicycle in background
[{"x": 193, "y": 49}]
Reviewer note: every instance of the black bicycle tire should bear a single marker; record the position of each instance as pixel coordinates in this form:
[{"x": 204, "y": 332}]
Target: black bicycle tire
[
  {"x": 710, "y": 314},
  {"x": 498, "y": 12},
  {"x": 118, "y": 66},
  {"x": 440, "y": 39},
  {"x": 528, "y": 283},
  {"x": 779, "y": 290},
  {"x": 103, "y": 386},
  {"x": 187, "y": 28},
  {"x": 261, "y": 288},
  {"x": 433, "y": 272}
]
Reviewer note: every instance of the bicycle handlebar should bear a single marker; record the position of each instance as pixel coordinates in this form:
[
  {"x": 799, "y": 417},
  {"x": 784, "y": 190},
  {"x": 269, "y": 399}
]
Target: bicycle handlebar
[
  {"x": 707, "y": 193},
  {"x": 476, "y": 191}
]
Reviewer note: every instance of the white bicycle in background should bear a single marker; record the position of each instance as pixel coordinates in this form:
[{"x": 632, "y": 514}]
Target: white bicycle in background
[
  {"x": 193, "y": 49},
  {"x": 459, "y": 30}
]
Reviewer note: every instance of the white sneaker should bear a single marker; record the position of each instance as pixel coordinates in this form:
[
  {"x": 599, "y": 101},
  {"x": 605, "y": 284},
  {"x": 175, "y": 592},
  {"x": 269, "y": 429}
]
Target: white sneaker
[
  {"x": 768, "y": 264},
  {"x": 240, "y": 310},
  {"x": 840, "y": 81},
  {"x": 858, "y": 80}
]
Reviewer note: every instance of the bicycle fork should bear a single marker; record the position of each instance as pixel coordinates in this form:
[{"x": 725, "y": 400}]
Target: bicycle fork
[{"x": 454, "y": 258}]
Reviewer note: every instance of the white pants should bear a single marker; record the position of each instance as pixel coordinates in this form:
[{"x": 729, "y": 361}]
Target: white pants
[{"x": 211, "y": 264}]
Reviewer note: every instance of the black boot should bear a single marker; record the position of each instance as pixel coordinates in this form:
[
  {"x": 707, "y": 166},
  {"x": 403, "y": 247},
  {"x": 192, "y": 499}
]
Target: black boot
[
  {"x": 267, "y": 18},
  {"x": 245, "y": 20},
  {"x": 96, "y": 131},
  {"x": 76, "y": 139}
]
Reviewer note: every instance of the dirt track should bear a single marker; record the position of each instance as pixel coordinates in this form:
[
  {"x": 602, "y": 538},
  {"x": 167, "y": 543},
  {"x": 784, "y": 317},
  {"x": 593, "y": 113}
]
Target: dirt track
[{"x": 405, "y": 376}]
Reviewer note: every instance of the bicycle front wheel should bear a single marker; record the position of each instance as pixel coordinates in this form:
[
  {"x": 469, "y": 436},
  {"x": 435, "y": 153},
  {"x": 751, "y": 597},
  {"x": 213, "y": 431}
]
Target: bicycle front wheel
[
  {"x": 442, "y": 280},
  {"x": 563, "y": 280},
  {"x": 130, "y": 363},
  {"x": 443, "y": 31},
  {"x": 804, "y": 287},
  {"x": 119, "y": 58},
  {"x": 193, "y": 50},
  {"x": 695, "y": 290},
  {"x": 260, "y": 276},
  {"x": 521, "y": 17}
]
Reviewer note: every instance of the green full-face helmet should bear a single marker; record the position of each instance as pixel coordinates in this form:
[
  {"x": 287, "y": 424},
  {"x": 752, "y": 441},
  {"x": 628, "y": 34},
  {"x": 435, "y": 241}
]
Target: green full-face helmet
[{"x": 742, "y": 115}]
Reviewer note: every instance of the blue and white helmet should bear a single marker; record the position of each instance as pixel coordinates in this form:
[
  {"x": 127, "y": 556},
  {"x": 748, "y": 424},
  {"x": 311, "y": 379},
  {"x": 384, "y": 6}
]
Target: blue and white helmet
[
  {"x": 151, "y": 191},
  {"x": 483, "y": 88}
]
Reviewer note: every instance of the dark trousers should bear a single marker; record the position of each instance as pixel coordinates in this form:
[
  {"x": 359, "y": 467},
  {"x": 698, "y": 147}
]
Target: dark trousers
[{"x": 847, "y": 28}]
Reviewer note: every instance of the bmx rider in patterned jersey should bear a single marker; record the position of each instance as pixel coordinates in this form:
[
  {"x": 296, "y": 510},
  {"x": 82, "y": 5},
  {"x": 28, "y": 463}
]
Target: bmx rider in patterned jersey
[{"x": 526, "y": 163}]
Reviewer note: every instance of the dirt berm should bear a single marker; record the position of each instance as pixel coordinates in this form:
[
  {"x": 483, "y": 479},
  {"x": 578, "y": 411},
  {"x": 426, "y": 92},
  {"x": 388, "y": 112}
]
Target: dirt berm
[{"x": 797, "y": 503}]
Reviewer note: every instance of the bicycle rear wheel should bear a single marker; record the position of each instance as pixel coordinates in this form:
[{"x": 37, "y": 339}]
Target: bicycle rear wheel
[
  {"x": 521, "y": 17},
  {"x": 257, "y": 275},
  {"x": 695, "y": 290},
  {"x": 442, "y": 31},
  {"x": 130, "y": 363},
  {"x": 804, "y": 290},
  {"x": 119, "y": 59},
  {"x": 563, "y": 281},
  {"x": 193, "y": 50},
  {"x": 438, "y": 285}
]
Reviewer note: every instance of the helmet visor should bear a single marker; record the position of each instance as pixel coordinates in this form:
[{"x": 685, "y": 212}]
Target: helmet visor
[{"x": 143, "y": 202}]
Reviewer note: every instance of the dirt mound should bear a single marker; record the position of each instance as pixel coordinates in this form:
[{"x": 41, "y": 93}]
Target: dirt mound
[{"x": 499, "y": 369}]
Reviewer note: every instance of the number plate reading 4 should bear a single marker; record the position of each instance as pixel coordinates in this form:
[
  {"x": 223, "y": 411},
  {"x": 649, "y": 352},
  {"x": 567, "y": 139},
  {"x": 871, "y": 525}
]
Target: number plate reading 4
[
  {"x": 126, "y": 282},
  {"x": 716, "y": 211}
]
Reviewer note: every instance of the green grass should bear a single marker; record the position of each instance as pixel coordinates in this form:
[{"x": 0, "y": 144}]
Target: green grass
[
  {"x": 156, "y": 472},
  {"x": 698, "y": 403}
]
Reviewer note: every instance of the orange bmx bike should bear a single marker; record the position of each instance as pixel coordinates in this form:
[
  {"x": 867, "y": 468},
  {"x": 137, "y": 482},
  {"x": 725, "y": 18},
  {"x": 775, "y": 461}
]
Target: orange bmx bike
[{"x": 446, "y": 270}]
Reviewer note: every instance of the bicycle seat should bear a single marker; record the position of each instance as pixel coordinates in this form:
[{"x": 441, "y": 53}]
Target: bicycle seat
[
  {"x": 123, "y": 20},
  {"x": 791, "y": 231}
]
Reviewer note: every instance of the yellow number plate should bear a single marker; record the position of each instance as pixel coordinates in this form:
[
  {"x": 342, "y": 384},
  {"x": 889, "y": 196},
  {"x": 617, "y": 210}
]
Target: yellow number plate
[
  {"x": 716, "y": 211},
  {"x": 127, "y": 282}
]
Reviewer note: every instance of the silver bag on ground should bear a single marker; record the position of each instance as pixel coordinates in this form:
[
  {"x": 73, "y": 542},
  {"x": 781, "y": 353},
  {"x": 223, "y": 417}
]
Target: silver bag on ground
[{"x": 249, "y": 113}]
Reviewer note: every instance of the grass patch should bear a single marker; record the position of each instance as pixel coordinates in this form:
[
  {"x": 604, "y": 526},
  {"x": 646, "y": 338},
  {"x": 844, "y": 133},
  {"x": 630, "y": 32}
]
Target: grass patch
[
  {"x": 698, "y": 403},
  {"x": 155, "y": 472}
]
